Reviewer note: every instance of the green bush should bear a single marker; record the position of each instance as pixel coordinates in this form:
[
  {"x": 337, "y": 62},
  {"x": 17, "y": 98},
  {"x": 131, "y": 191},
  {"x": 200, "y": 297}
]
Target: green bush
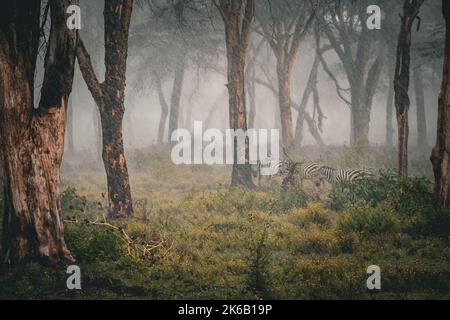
[
  {"x": 89, "y": 243},
  {"x": 368, "y": 221},
  {"x": 283, "y": 201},
  {"x": 373, "y": 190}
]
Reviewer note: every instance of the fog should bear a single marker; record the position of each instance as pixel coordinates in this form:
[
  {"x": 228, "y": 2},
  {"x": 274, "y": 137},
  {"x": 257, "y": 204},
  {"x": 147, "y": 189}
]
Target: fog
[{"x": 204, "y": 95}]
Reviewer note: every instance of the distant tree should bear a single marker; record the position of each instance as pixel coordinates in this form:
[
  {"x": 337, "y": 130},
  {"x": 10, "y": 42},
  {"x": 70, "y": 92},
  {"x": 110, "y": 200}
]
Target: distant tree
[
  {"x": 284, "y": 25},
  {"x": 401, "y": 82},
  {"x": 109, "y": 97},
  {"x": 362, "y": 57},
  {"x": 32, "y": 139}
]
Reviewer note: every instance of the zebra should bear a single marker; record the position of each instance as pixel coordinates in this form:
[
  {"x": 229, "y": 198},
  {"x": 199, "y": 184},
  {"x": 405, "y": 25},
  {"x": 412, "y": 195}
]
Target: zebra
[
  {"x": 340, "y": 176},
  {"x": 299, "y": 171}
]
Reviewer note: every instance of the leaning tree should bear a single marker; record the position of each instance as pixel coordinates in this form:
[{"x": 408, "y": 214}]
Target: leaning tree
[{"x": 109, "y": 96}]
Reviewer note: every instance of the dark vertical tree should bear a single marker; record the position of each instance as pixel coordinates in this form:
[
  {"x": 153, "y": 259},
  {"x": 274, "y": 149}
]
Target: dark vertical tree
[
  {"x": 32, "y": 139},
  {"x": 401, "y": 82},
  {"x": 441, "y": 152},
  {"x": 109, "y": 97},
  {"x": 238, "y": 16},
  {"x": 175, "y": 99}
]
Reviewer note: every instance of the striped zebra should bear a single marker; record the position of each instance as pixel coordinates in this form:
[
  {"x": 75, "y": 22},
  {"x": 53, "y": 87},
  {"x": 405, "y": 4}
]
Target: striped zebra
[
  {"x": 296, "y": 172},
  {"x": 341, "y": 176}
]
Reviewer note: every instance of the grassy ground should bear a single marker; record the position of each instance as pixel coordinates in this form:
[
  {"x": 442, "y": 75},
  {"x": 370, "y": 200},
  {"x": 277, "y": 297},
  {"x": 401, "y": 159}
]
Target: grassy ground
[{"x": 192, "y": 237}]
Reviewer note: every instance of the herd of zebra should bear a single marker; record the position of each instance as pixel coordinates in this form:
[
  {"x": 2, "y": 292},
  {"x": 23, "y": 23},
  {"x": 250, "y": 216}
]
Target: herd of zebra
[{"x": 294, "y": 173}]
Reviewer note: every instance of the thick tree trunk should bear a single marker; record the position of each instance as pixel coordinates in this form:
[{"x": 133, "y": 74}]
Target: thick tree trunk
[
  {"x": 422, "y": 136},
  {"x": 119, "y": 191},
  {"x": 401, "y": 83},
  {"x": 70, "y": 127},
  {"x": 284, "y": 100},
  {"x": 238, "y": 16},
  {"x": 441, "y": 152},
  {"x": 176, "y": 96},
  {"x": 33, "y": 139}
]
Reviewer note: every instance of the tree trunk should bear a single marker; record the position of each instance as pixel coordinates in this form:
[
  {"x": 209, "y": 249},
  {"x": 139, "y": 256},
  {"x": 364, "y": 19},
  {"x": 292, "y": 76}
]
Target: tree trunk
[
  {"x": 441, "y": 152},
  {"x": 389, "y": 116},
  {"x": 238, "y": 17},
  {"x": 312, "y": 83},
  {"x": 284, "y": 96},
  {"x": 164, "y": 111},
  {"x": 422, "y": 136},
  {"x": 109, "y": 97},
  {"x": 113, "y": 154},
  {"x": 401, "y": 83},
  {"x": 70, "y": 128},
  {"x": 176, "y": 96},
  {"x": 33, "y": 139}
]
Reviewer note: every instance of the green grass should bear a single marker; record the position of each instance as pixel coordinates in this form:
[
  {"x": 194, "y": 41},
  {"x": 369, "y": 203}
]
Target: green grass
[{"x": 208, "y": 241}]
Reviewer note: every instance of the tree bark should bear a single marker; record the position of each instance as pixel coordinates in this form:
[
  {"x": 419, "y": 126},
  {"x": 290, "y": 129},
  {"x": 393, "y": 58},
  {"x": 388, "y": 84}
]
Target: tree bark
[
  {"x": 401, "y": 82},
  {"x": 440, "y": 157},
  {"x": 422, "y": 136},
  {"x": 70, "y": 128},
  {"x": 32, "y": 140},
  {"x": 238, "y": 16},
  {"x": 109, "y": 97},
  {"x": 176, "y": 95}
]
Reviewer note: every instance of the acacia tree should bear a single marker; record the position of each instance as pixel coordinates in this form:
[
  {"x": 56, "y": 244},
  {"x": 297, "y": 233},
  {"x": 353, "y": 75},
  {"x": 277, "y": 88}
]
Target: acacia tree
[
  {"x": 440, "y": 157},
  {"x": 284, "y": 25},
  {"x": 32, "y": 139},
  {"x": 109, "y": 97},
  {"x": 401, "y": 82},
  {"x": 237, "y": 17},
  {"x": 346, "y": 30}
]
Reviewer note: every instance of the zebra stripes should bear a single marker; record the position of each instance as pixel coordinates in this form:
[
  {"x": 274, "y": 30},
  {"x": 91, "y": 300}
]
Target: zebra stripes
[{"x": 344, "y": 176}]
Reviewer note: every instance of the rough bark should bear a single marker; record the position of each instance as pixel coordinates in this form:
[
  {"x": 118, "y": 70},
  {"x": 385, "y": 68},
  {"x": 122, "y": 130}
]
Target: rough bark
[
  {"x": 70, "y": 127},
  {"x": 422, "y": 136},
  {"x": 109, "y": 97},
  {"x": 440, "y": 157},
  {"x": 33, "y": 139},
  {"x": 238, "y": 17},
  {"x": 401, "y": 82}
]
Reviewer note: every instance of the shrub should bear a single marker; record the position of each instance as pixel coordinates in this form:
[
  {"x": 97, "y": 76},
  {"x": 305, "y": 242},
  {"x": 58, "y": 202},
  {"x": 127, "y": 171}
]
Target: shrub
[
  {"x": 372, "y": 190},
  {"x": 368, "y": 221},
  {"x": 314, "y": 214},
  {"x": 283, "y": 201}
]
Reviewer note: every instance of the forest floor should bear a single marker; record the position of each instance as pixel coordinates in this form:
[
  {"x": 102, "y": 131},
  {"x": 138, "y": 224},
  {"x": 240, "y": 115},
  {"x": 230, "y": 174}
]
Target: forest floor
[{"x": 193, "y": 237}]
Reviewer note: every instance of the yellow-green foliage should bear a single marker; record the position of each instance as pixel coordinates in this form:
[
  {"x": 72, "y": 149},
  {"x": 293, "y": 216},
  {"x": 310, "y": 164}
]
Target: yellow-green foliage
[{"x": 208, "y": 241}]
